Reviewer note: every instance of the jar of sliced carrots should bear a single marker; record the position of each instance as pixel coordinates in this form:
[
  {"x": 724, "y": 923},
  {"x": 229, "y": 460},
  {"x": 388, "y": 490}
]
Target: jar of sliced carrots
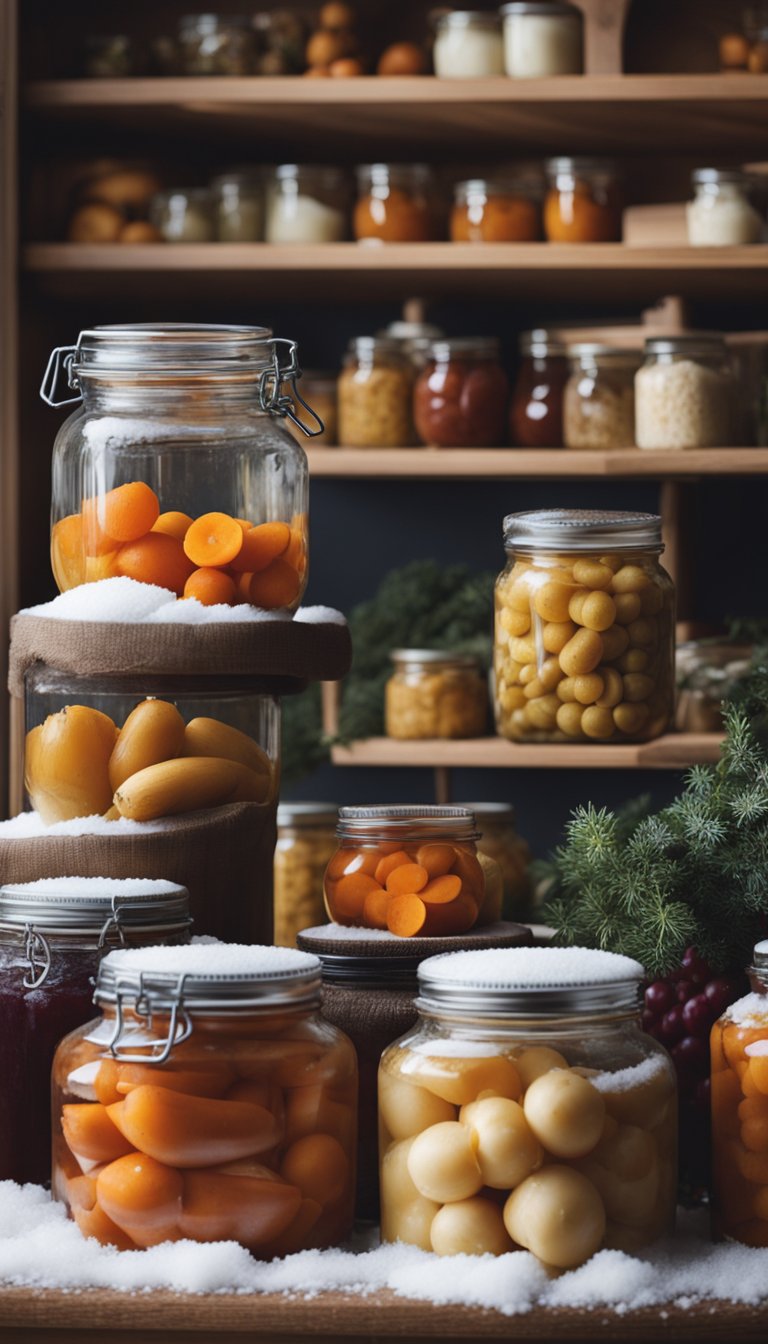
[
  {"x": 411, "y": 870},
  {"x": 210, "y": 1101},
  {"x": 175, "y": 470}
]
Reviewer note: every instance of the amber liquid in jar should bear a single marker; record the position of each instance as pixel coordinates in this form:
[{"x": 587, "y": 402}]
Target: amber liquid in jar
[
  {"x": 432, "y": 694},
  {"x": 536, "y": 408},
  {"x": 583, "y": 204},
  {"x": 394, "y": 204},
  {"x": 460, "y": 399},
  {"x": 494, "y": 212}
]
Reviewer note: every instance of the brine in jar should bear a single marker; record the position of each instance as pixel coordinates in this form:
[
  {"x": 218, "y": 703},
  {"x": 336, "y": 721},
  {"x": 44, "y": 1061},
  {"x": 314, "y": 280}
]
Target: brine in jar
[{"x": 434, "y": 693}]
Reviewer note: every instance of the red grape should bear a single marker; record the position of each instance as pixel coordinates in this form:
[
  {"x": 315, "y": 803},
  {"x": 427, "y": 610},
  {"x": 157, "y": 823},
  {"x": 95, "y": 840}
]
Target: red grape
[
  {"x": 702, "y": 1094},
  {"x": 691, "y": 1056},
  {"x": 659, "y": 997},
  {"x": 697, "y": 1016},
  {"x": 672, "y": 1027},
  {"x": 719, "y": 993},
  {"x": 685, "y": 990}
]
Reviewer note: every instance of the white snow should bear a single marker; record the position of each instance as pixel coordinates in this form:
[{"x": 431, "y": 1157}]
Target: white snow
[
  {"x": 128, "y": 601},
  {"x": 95, "y": 888},
  {"x": 751, "y": 1011},
  {"x": 214, "y": 959},
  {"x": 624, "y": 1080},
  {"x": 531, "y": 968},
  {"x": 352, "y": 933},
  {"x": 30, "y": 826}
]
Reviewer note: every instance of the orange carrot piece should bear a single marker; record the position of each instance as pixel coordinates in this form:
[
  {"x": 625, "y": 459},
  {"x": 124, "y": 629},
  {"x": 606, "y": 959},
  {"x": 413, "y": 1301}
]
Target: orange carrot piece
[
  {"x": 441, "y": 890},
  {"x": 91, "y": 1133},
  {"x": 95, "y": 1223},
  {"x": 406, "y": 915},
  {"x": 221, "y": 1207},
  {"x": 437, "y": 859},
  {"x": 214, "y": 539},
  {"x": 388, "y": 864},
  {"x": 105, "y": 1082},
  {"x": 67, "y": 553},
  {"x": 155, "y": 558},
  {"x": 350, "y": 894},
  {"x": 142, "y": 1197},
  {"x": 407, "y": 879},
  {"x": 182, "y": 1130},
  {"x": 262, "y": 545},
  {"x": 123, "y": 514},
  {"x": 375, "y": 909}
]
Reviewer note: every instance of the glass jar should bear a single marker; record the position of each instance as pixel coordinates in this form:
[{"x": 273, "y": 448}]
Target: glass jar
[
  {"x": 238, "y": 203},
  {"x": 599, "y": 397},
  {"x": 460, "y": 399},
  {"x": 585, "y": 624},
  {"x": 414, "y": 338},
  {"x": 583, "y": 204},
  {"x": 542, "y": 39},
  {"x": 707, "y": 673},
  {"x": 110, "y": 56},
  {"x": 536, "y": 409},
  {"x": 434, "y": 693},
  {"x": 748, "y": 353},
  {"x": 494, "y": 212},
  {"x": 216, "y": 44},
  {"x": 394, "y": 204},
  {"x": 501, "y": 841},
  {"x": 53, "y": 934},
  {"x": 721, "y": 213},
  {"x": 183, "y": 215},
  {"x": 375, "y": 395},
  {"x": 176, "y": 460},
  {"x": 684, "y": 394},
  {"x": 528, "y": 1109},
  {"x": 739, "y": 1082},
  {"x": 468, "y": 45},
  {"x": 307, "y": 203},
  {"x": 218, "y": 1105},
  {"x": 411, "y": 870},
  {"x": 306, "y": 840}
]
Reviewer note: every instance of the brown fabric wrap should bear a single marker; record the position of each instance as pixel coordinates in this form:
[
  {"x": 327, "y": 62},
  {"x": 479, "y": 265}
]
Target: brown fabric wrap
[
  {"x": 289, "y": 652},
  {"x": 222, "y": 856}
]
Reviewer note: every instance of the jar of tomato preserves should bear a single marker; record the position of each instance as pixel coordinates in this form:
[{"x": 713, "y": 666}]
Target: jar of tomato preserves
[
  {"x": 394, "y": 203},
  {"x": 209, "y": 1101},
  {"x": 460, "y": 398},
  {"x": 53, "y": 935},
  {"x": 494, "y": 212},
  {"x": 536, "y": 409},
  {"x": 583, "y": 204},
  {"x": 406, "y": 869}
]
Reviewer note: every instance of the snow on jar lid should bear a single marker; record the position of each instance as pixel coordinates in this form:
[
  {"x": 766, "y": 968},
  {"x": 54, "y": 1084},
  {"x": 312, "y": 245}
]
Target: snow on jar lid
[
  {"x": 429, "y": 822},
  {"x": 94, "y": 905},
  {"x": 532, "y": 982},
  {"x": 582, "y": 530},
  {"x": 208, "y": 976}
]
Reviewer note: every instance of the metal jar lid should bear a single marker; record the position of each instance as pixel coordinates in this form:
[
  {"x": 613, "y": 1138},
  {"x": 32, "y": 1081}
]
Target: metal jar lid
[
  {"x": 549, "y": 8},
  {"x": 702, "y": 344},
  {"x": 493, "y": 813},
  {"x": 760, "y": 957},
  {"x": 378, "y": 960},
  {"x": 540, "y": 342},
  {"x": 714, "y": 176},
  {"x": 299, "y": 815},
  {"x": 465, "y": 347},
  {"x": 430, "y": 823},
  {"x": 582, "y": 530},
  {"x": 469, "y": 18},
  {"x": 484, "y": 187},
  {"x": 568, "y": 165},
  {"x": 435, "y": 657},
  {"x": 531, "y": 984}
]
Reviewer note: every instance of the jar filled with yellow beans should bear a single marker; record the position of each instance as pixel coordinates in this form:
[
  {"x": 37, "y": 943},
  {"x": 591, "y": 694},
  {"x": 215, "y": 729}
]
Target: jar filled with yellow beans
[
  {"x": 306, "y": 841},
  {"x": 584, "y": 632}
]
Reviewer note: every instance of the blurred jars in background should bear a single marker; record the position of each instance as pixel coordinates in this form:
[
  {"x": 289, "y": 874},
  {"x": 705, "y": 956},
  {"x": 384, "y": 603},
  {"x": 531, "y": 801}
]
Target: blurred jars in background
[
  {"x": 434, "y": 693},
  {"x": 307, "y": 203},
  {"x": 684, "y": 394},
  {"x": 494, "y": 211},
  {"x": 415, "y": 339},
  {"x": 184, "y": 215},
  {"x": 599, "y": 397},
  {"x": 395, "y": 203},
  {"x": 722, "y": 212},
  {"x": 461, "y": 395},
  {"x": 541, "y": 40},
  {"x": 216, "y": 44},
  {"x": 375, "y": 395},
  {"x": 306, "y": 839},
  {"x": 238, "y": 205},
  {"x": 468, "y": 45},
  {"x": 584, "y": 202},
  {"x": 500, "y": 840},
  {"x": 536, "y": 410}
]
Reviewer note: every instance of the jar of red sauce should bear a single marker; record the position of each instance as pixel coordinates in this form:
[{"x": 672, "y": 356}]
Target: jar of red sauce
[
  {"x": 53, "y": 935},
  {"x": 460, "y": 399},
  {"x": 584, "y": 201},
  {"x": 394, "y": 203},
  {"x": 536, "y": 409}
]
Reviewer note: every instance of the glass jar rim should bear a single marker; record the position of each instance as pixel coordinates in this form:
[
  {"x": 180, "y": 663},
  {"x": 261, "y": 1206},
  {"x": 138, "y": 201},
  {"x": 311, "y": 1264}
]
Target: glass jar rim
[
  {"x": 303, "y": 814},
  {"x": 702, "y": 344},
  {"x": 573, "y": 165},
  {"x": 582, "y": 530},
  {"x": 156, "y": 977},
  {"x": 376, "y": 345},
  {"x": 93, "y": 910},
  {"x": 385, "y": 174},
  {"x": 386, "y": 822},
  {"x": 435, "y": 657},
  {"x": 494, "y": 186},
  {"x": 171, "y": 348},
  {"x": 540, "y": 342},
  {"x": 478, "y": 347},
  {"x": 713, "y": 176},
  {"x": 598, "y": 350},
  {"x": 561, "y": 8},
  {"x": 403, "y": 331},
  {"x": 469, "y": 18},
  {"x": 238, "y": 177},
  {"x": 492, "y": 811},
  {"x": 317, "y": 172}
]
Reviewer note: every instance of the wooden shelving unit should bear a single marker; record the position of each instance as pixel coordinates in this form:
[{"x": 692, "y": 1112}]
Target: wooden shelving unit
[
  {"x": 674, "y": 751},
  {"x": 532, "y": 463}
]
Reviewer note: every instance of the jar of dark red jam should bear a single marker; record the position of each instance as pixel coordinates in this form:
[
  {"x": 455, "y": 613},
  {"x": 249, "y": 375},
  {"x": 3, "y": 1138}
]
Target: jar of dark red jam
[
  {"x": 536, "y": 409},
  {"x": 460, "y": 399},
  {"x": 53, "y": 934}
]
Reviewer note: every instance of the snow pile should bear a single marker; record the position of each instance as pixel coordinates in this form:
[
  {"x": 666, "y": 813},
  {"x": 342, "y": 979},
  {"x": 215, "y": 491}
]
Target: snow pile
[{"x": 126, "y": 600}]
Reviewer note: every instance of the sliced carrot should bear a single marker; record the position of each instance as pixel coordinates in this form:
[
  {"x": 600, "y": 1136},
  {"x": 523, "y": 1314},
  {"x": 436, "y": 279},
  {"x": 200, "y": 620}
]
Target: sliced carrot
[
  {"x": 123, "y": 514},
  {"x": 173, "y": 524},
  {"x": 91, "y": 1133},
  {"x": 252, "y": 1211},
  {"x": 350, "y": 894},
  {"x": 406, "y": 916},
  {"x": 243, "y": 587},
  {"x": 437, "y": 859},
  {"x": 156, "y": 558},
  {"x": 407, "y": 879},
  {"x": 95, "y": 1223},
  {"x": 457, "y": 916},
  {"x": 213, "y": 539},
  {"x": 441, "y": 890},
  {"x": 81, "y": 1191},
  {"x": 276, "y": 586},
  {"x": 388, "y": 864},
  {"x": 375, "y": 909},
  {"x": 211, "y": 1080},
  {"x": 244, "y": 524},
  {"x": 211, "y": 587},
  {"x": 181, "y": 1130},
  {"x": 347, "y": 861},
  {"x": 262, "y": 545}
]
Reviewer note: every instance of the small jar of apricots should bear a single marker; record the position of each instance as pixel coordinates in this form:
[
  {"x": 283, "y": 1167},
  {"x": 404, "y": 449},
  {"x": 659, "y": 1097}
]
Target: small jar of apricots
[
  {"x": 584, "y": 201},
  {"x": 584, "y": 628},
  {"x": 409, "y": 870},
  {"x": 739, "y": 1080},
  {"x": 175, "y": 470},
  {"x": 527, "y": 1110},
  {"x": 210, "y": 1101}
]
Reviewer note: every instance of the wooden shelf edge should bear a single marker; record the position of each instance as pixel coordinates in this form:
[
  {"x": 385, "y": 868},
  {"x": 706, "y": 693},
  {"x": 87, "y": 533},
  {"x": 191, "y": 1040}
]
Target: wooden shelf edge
[
  {"x": 674, "y": 751},
  {"x": 501, "y": 463}
]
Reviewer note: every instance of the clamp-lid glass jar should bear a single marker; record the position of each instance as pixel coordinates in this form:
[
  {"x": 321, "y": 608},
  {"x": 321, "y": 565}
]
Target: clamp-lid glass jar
[
  {"x": 176, "y": 462},
  {"x": 460, "y": 399},
  {"x": 376, "y": 395},
  {"x": 583, "y": 204},
  {"x": 536, "y": 409},
  {"x": 53, "y": 934},
  {"x": 306, "y": 839},
  {"x": 435, "y": 693},
  {"x": 739, "y": 1081},
  {"x": 307, "y": 203},
  {"x": 394, "y": 203},
  {"x": 599, "y": 397},
  {"x": 468, "y": 45},
  {"x": 585, "y": 622},
  {"x": 684, "y": 394},
  {"x": 542, "y": 39},
  {"x": 721, "y": 213},
  {"x": 487, "y": 211},
  {"x": 216, "y": 1104},
  {"x": 528, "y": 1080},
  {"x": 411, "y": 870}
]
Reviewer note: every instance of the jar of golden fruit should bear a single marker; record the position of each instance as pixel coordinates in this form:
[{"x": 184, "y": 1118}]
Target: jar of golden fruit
[
  {"x": 376, "y": 395},
  {"x": 585, "y": 621},
  {"x": 210, "y": 1101},
  {"x": 739, "y": 1080},
  {"x": 306, "y": 839},
  {"x": 528, "y": 1109},
  {"x": 433, "y": 693}
]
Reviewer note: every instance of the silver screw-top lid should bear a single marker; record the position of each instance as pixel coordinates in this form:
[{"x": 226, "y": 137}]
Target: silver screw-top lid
[
  {"x": 712, "y": 176},
  {"x": 428, "y": 822},
  {"x": 702, "y": 343},
  {"x": 582, "y": 530},
  {"x": 540, "y": 342},
  {"x": 299, "y": 815},
  {"x": 93, "y": 906},
  {"x": 207, "y": 974},
  {"x": 549, "y": 8},
  {"x": 468, "y": 18},
  {"x": 760, "y": 957},
  {"x": 531, "y": 983},
  {"x": 435, "y": 657}
]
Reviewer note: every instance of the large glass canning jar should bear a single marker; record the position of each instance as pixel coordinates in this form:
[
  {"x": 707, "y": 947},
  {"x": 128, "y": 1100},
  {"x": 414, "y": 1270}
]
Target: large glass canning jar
[
  {"x": 176, "y": 463},
  {"x": 528, "y": 1109},
  {"x": 209, "y": 1102},
  {"x": 53, "y": 934},
  {"x": 585, "y": 622}
]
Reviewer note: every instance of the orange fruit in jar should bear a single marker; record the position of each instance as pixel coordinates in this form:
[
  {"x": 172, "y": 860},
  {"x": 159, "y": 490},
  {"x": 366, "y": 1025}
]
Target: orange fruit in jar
[
  {"x": 214, "y": 539},
  {"x": 276, "y": 586},
  {"x": 156, "y": 558},
  {"x": 261, "y": 545},
  {"x": 123, "y": 514},
  {"x": 212, "y": 587},
  {"x": 173, "y": 524},
  {"x": 67, "y": 557}
]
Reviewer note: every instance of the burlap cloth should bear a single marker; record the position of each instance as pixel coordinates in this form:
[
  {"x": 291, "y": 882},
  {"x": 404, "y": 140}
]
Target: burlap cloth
[
  {"x": 375, "y": 1006},
  {"x": 287, "y": 654},
  {"x": 222, "y": 856}
]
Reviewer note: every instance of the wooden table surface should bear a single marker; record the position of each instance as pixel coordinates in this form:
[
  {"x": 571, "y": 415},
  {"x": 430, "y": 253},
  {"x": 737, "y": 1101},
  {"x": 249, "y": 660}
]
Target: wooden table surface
[{"x": 51, "y": 1317}]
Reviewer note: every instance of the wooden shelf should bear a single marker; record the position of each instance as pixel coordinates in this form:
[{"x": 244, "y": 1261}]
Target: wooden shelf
[
  {"x": 560, "y": 464},
  {"x": 353, "y": 271},
  {"x": 675, "y": 751},
  {"x": 692, "y": 112}
]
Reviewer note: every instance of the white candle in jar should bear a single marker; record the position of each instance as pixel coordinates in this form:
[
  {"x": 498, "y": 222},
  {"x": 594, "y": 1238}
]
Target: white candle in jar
[
  {"x": 468, "y": 45},
  {"x": 542, "y": 39}
]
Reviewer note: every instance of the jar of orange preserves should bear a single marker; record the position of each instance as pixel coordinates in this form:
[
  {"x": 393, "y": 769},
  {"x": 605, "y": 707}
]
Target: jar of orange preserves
[
  {"x": 394, "y": 203},
  {"x": 739, "y": 1045},
  {"x": 583, "y": 204},
  {"x": 209, "y": 1102},
  {"x": 406, "y": 869},
  {"x": 494, "y": 212}
]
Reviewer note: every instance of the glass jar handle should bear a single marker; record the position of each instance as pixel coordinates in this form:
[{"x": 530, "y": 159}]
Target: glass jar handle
[
  {"x": 271, "y": 397},
  {"x": 61, "y": 358},
  {"x": 179, "y": 1023},
  {"x": 35, "y": 944}
]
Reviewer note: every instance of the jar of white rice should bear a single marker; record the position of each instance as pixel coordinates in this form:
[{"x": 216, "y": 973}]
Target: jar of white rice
[{"x": 684, "y": 393}]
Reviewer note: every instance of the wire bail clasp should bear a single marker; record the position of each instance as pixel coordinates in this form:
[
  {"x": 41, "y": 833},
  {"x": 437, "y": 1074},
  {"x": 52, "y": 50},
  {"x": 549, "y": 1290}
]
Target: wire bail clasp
[
  {"x": 145, "y": 1004},
  {"x": 274, "y": 400},
  {"x": 38, "y": 953},
  {"x": 61, "y": 360}
]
